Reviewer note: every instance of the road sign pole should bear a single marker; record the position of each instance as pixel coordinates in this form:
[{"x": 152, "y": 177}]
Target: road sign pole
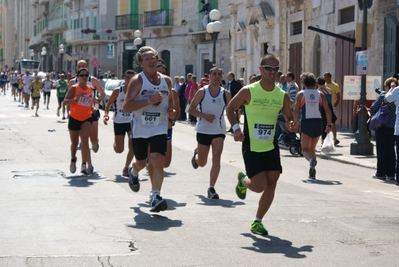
[{"x": 363, "y": 146}]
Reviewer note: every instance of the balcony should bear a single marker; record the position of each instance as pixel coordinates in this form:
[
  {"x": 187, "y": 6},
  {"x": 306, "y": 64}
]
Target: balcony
[
  {"x": 91, "y": 3},
  {"x": 37, "y": 40},
  {"x": 68, "y": 3},
  {"x": 127, "y": 23},
  {"x": 99, "y": 37},
  {"x": 57, "y": 25},
  {"x": 43, "y": 2},
  {"x": 158, "y": 19},
  {"x": 74, "y": 36}
]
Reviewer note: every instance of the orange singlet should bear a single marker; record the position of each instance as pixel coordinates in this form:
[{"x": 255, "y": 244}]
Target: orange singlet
[{"x": 81, "y": 110}]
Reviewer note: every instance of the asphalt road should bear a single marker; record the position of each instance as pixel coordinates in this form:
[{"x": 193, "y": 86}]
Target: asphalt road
[{"x": 50, "y": 217}]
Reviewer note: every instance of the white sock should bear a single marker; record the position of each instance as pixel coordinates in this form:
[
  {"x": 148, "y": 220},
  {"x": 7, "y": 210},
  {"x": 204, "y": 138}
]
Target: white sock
[
  {"x": 258, "y": 219},
  {"x": 243, "y": 180},
  {"x": 155, "y": 193}
]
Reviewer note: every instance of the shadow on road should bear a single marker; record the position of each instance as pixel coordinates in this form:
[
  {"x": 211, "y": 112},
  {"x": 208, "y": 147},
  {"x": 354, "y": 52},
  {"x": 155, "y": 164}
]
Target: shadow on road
[
  {"x": 153, "y": 221},
  {"x": 83, "y": 180},
  {"x": 273, "y": 244},
  {"x": 225, "y": 203},
  {"x": 321, "y": 182}
]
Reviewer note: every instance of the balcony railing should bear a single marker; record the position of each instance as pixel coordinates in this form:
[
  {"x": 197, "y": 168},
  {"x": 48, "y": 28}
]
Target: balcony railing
[
  {"x": 74, "y": 35},
  {"x": 57, "y": 24},
  {"x": 99, "y": 36},
  {"x": 43, "y": 2},
  {"x": 128, "y": 22},
  {"x": 158, "y": 18},
  {"x": 92, "y": 3}
]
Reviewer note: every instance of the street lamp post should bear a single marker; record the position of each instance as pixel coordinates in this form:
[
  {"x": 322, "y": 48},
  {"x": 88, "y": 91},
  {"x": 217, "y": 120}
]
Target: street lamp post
[
  {"x": 137, "y": 43},
  {"x": 214, "y": 28},
  {"x": 61, "y": 52},
  {"x": 32, "y": 54},
  {"x": 363, "y": 145},
  {"x": 44, "y": 53}
]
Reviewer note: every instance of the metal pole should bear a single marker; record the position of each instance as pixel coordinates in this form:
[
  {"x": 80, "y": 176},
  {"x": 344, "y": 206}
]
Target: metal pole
[
  {"x": 363, "y": 145},
  {"x": 214, "y": 38}
]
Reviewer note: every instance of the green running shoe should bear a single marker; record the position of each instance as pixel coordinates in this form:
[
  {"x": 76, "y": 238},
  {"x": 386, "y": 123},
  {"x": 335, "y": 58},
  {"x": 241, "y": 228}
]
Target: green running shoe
[
  {"x": 258, "y": 228},
  {"x": 241, "y": 189}
]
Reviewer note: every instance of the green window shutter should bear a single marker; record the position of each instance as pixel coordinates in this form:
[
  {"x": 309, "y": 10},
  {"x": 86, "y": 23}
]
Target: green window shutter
[
  {"x": 95, "y": 22},
  {"x": 134, "y": 14},
  {"x": 164, "y": 4},
  {"x": 214, "y": 4},
  {"x": 34, "y": 30}
]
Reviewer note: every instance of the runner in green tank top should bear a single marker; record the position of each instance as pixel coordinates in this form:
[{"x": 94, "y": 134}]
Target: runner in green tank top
[
  {"x": 61, "y": 85},
  {"x": 263, "y": 101}
]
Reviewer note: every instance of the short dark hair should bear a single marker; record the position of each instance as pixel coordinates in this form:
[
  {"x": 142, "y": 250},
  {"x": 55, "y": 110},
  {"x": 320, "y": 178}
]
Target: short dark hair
[
  {"x": 321, "y": 80},
  {"x": 308, "y": 79},
  {"x": 291, "y": 75},
  {"x": 82, "y": 69},
  {"x": 203, "y": 1},
  {"x": 129, "y": 72}
]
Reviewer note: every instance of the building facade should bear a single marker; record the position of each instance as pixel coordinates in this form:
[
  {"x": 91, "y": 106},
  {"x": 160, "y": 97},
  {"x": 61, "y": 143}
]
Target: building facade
[{"x": 306, "y": 35}]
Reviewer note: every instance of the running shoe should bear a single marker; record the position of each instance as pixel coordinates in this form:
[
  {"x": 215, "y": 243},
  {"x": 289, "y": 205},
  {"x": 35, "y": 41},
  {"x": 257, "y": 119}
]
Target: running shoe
[
  {"x": 95, "y": 147},
  {"x": 241, "y": 188},
  {"x": 58, "y": 113},
  {"x": 158, "y": 204},
  {"x": 37, "y": 115},
  {"x": 258, "y": 228},
  {"x": 336, "y": 142},
  {"x": 32, "y": 107},
  {"x": 133, "y": 181},
  {"x": 83, "y": 168},
  {"x": 47, "y": 107},
  {"x": 63, "y": 117},
  {"x": 212, "y": 193},
  {"x": 72, "y": 166},
  {"x": 312, "y": 170},
  {"x": 89, "y": 169},
  {"x": 193, "y": 162},
  {"x": 125, "y": 172}
]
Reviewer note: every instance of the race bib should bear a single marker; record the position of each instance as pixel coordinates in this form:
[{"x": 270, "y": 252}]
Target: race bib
[
  {"x": 124, "y": 114},
  {"x": 150, "y": 118},
  {"x": 62, "y": 90},
  {"x": 263, "y": 131},
  {"x": 85, "y": 100}
]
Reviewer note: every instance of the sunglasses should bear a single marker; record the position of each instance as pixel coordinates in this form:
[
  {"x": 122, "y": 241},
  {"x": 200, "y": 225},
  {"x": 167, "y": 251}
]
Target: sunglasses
[
  {"x": 84, "y": 75},
  {"x": 270, "y": 68}
]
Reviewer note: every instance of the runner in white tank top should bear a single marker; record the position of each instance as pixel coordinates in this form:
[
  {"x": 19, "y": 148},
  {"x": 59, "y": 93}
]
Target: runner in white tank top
[
  {"x": 149, "y": 97},
  {"x": 211, "y": 126},
  {"x": 122, "y": 120}
]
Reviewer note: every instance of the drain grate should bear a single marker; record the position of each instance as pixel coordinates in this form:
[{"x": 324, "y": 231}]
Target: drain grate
[{"x": 38, "y": 174}]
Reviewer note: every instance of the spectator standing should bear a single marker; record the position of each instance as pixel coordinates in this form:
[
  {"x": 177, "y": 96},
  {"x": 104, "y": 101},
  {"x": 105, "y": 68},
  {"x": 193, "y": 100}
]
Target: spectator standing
[
  {"x": 206, "y": 8},
  {"x": 193, "y": 90},
  {"x": 182, "y": 99},
  {"x": 336, "y": 97},
  {"x": 233, "y": 86},
  {"x": 384, "y": 136}
]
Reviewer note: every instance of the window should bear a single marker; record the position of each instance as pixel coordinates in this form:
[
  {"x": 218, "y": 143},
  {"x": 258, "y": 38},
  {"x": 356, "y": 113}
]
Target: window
[
  {"x": 1, "y": 19},
  {"x": 346, "y": 15},
  {"x": 296, "y": 28}
]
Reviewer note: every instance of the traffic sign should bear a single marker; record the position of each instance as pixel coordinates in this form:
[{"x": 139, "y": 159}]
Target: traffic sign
[
  {"x": 352, "y": 87},
  {"x": 69, "y": 58},
  {"x": 362, "y": 62},
  {"x": 94, "y": 62}
]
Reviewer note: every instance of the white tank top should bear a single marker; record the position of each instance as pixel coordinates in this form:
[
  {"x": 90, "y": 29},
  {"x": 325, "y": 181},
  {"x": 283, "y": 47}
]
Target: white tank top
[
  {"x": 151, "y": 120},
  {"x": 46, "y": 86},
  {"x": 119, "y": 115},
  {"x": 212, "y": 105},
  {"x": 310, "y": 104}
]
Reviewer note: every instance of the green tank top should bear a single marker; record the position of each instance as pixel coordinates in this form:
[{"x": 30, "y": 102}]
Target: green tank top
[
  {"x": 61, "y": 91},
  {"x": 261, "y": 117}
]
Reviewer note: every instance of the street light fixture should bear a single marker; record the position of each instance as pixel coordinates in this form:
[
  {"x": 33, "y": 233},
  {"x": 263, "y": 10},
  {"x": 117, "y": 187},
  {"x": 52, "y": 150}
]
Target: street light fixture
[
  {"x": 44, "y": 53},
  {"x": 214, "y": 28},
  {"x": 61, "y": 51},
  {"x": 32, "y": 54},
  {"x": 22, "y": 55},
  {"x": 137, "y": 41}
]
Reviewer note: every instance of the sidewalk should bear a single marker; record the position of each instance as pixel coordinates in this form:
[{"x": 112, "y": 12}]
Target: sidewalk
[{"x": 342, "y": 151}]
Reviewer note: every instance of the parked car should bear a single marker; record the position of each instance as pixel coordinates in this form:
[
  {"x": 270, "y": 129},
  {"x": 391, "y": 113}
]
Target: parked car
[{"x": 110, "y": 85}]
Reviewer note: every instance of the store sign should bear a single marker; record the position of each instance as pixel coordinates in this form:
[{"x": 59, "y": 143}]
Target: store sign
[{"x": 130, "y": 46}]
